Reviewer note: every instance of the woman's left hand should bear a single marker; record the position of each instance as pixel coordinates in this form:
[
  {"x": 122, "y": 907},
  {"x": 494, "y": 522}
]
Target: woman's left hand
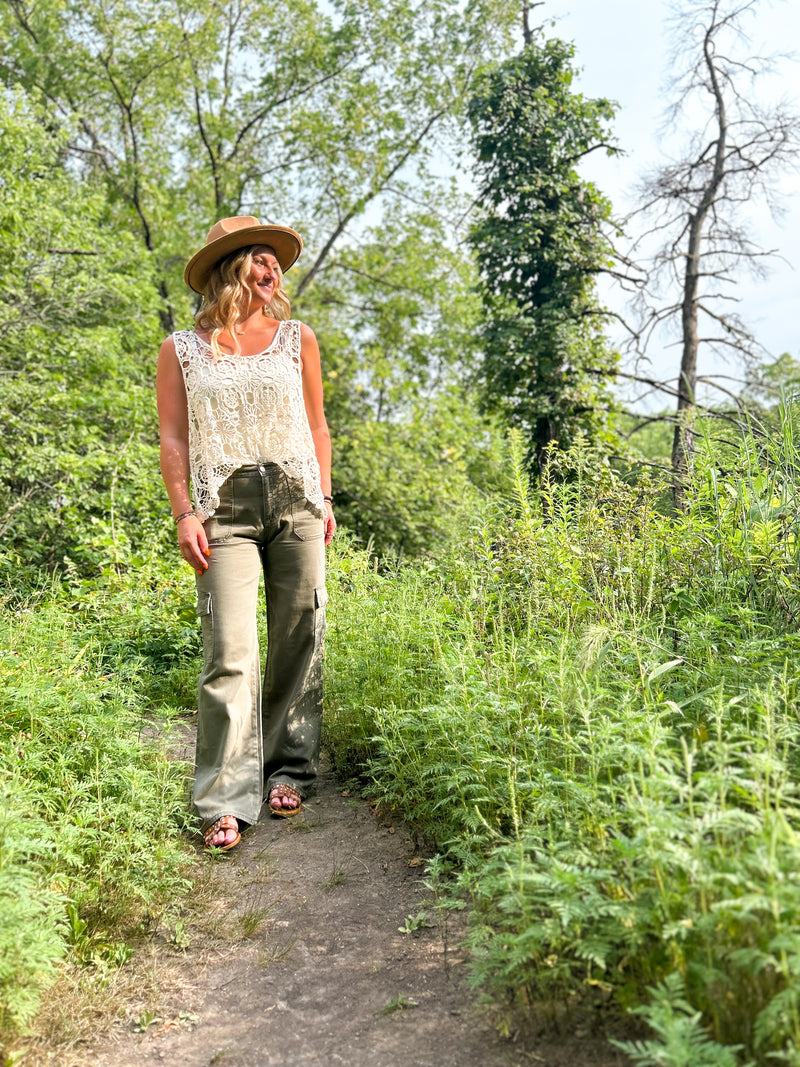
[{"x": 330, "y": 522}]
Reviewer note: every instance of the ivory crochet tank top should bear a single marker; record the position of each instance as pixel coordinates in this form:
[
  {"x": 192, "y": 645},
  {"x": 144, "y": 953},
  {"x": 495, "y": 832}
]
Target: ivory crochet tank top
[{"x": 246, "y": 409}]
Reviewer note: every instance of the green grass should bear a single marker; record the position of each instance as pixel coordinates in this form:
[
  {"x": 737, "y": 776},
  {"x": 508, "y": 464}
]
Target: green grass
[
  {"x": 93, "y": 807},
  {"x": 591, "y": 710}
]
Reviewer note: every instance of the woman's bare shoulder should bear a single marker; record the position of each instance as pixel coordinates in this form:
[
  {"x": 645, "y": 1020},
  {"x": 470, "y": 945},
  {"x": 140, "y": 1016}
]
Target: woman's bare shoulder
[
  {"x": 169, "y": 345},
  {"x": 306, "y": 333}
]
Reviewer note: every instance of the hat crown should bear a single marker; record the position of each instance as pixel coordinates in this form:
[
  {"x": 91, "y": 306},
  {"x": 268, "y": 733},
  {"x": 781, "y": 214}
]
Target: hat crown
[{"x": 232, "y": 225}]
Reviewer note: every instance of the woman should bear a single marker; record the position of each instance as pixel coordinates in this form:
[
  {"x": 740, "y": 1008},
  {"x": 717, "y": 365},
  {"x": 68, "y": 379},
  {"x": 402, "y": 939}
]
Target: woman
[{"x": 240, "y": 409}]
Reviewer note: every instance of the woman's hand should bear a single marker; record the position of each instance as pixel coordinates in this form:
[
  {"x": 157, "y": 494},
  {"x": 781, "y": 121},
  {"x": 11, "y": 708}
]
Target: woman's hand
[
  {"x": 330, "y": 522},
  {"x": 193, "y": 543}
]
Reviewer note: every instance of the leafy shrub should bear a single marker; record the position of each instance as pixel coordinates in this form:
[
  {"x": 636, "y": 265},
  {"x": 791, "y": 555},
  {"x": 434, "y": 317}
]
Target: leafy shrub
[
  {"x": 89, "y": 845},
  {"x": 31, "y": 931},
  {"x": 595, "y": 722},
  {"x": 78, "y": 466}
]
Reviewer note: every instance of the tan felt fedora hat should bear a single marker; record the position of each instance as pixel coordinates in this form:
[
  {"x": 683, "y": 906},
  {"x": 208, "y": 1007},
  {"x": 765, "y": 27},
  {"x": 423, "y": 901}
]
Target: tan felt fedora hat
[{"x": 228, "y": 235}]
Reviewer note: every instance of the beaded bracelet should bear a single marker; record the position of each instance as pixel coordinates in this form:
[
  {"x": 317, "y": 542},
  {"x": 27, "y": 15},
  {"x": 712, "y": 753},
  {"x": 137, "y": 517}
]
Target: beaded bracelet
[{"x": 185, "y": 515}]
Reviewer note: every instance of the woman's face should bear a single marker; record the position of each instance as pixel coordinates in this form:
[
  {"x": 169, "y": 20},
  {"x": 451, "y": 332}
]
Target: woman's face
[{"x": 264, "y": 277}]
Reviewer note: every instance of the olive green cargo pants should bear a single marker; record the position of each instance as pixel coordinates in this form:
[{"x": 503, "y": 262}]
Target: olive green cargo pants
[{"x": 247, "y": 741}]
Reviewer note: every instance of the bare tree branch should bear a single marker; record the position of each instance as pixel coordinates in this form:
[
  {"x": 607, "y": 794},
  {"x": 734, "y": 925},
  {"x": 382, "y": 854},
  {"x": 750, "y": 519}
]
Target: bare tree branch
[{"x": 736, "y": 153}]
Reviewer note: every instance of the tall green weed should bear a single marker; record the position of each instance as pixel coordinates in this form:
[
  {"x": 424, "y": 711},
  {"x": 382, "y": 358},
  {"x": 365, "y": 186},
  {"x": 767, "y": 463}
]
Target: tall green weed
[
  {"x": 90, "y": 851},
  {"x": 595, "y": 722}
]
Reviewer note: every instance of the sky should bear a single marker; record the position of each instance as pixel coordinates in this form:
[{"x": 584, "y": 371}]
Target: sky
[{"x": 623, "y": 49}]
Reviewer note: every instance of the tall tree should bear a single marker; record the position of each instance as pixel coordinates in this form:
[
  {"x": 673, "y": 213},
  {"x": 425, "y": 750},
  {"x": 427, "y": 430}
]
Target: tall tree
[
  {"x": 303, "y": 112},
  {"x": 696, "y": 204},
  {"x": 540, "y": 245}
]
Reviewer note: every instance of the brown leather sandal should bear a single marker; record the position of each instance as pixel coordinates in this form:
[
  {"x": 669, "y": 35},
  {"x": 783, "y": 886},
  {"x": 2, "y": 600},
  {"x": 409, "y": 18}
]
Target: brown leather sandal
[
  {"x": 283, "y": 790},
  {"x": 225, "y": 822}
]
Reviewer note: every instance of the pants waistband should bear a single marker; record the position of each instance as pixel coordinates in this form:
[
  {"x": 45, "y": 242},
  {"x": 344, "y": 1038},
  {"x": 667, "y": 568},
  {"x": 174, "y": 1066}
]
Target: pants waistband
[{"x": 256, "y": 468}]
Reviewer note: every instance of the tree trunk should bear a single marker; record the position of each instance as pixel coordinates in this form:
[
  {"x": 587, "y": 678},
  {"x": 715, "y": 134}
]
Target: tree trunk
[{"x": 683, "y": 441}]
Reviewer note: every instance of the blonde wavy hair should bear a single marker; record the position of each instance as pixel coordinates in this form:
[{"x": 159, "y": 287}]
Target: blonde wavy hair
[{"x": 226, "y": 293}]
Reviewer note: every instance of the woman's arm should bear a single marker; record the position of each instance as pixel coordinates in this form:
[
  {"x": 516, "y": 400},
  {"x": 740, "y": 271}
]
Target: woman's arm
[
  {"x": 173, "y": 417},
  {"x": 312, "y": 394}
]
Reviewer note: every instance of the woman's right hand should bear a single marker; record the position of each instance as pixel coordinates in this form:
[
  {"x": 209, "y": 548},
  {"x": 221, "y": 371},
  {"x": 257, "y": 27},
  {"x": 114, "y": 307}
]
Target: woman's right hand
[{"x": 193, "y": 543}]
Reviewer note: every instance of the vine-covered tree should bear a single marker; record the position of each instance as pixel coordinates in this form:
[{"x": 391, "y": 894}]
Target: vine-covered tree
[{"x": 540, "y": 245}]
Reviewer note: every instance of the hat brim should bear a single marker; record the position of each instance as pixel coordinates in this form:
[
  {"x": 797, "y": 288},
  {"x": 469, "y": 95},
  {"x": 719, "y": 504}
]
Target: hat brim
[{"x": 286, "y": 243}]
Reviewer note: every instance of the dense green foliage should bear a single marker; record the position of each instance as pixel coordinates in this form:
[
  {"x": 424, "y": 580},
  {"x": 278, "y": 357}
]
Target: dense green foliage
[
  {"x": 79, "y": 482},
  {"x": 591, "y": 710},
  {"x": 78, "y": 310},
  {"x": 160, "y": 118},
  {"x": 398, "y": 327},
  {"x": 540, "y": 245},
  {"x": 185, "y": 112},
  {"x": 588, "y": 708},
  {"x": 92, "y": 804}
]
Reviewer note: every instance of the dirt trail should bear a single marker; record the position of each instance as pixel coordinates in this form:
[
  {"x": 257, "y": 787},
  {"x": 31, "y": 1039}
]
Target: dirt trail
[{"x": 307, "y": 966}]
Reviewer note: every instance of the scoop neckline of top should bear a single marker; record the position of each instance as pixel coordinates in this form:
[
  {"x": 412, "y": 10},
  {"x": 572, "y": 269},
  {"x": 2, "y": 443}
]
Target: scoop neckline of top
[{"x": 252, "y": 355}]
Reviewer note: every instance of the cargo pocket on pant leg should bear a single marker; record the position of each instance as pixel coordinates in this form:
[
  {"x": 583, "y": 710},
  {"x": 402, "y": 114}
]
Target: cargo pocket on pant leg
[
  {"x": 320, "y": 601},
  {"x": 206, "y": 622}
]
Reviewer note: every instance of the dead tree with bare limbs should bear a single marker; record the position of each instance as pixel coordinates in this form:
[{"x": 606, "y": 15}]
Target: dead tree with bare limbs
[{"x": 696, "y": 205}]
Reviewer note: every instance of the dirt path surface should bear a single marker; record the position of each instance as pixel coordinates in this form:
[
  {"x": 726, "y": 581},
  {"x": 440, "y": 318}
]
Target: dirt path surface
[{"x": 297, "y": 959}]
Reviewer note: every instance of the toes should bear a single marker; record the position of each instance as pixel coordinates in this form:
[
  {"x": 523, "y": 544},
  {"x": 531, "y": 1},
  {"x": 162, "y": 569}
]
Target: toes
[
  {"x": 282, "y": 801},
  {"x": 225, "y": 833}
]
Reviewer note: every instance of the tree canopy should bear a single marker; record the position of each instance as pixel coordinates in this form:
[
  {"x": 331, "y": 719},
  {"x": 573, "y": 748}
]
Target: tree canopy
[
  {"x": 191, "y": 110},
  {"x": 159, "y": 118},
  {"x": 540, "y": 245}
]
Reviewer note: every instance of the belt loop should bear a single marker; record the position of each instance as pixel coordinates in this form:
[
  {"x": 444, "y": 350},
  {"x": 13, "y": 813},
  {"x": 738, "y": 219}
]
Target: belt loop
[{"x": 265, "y": 495}]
